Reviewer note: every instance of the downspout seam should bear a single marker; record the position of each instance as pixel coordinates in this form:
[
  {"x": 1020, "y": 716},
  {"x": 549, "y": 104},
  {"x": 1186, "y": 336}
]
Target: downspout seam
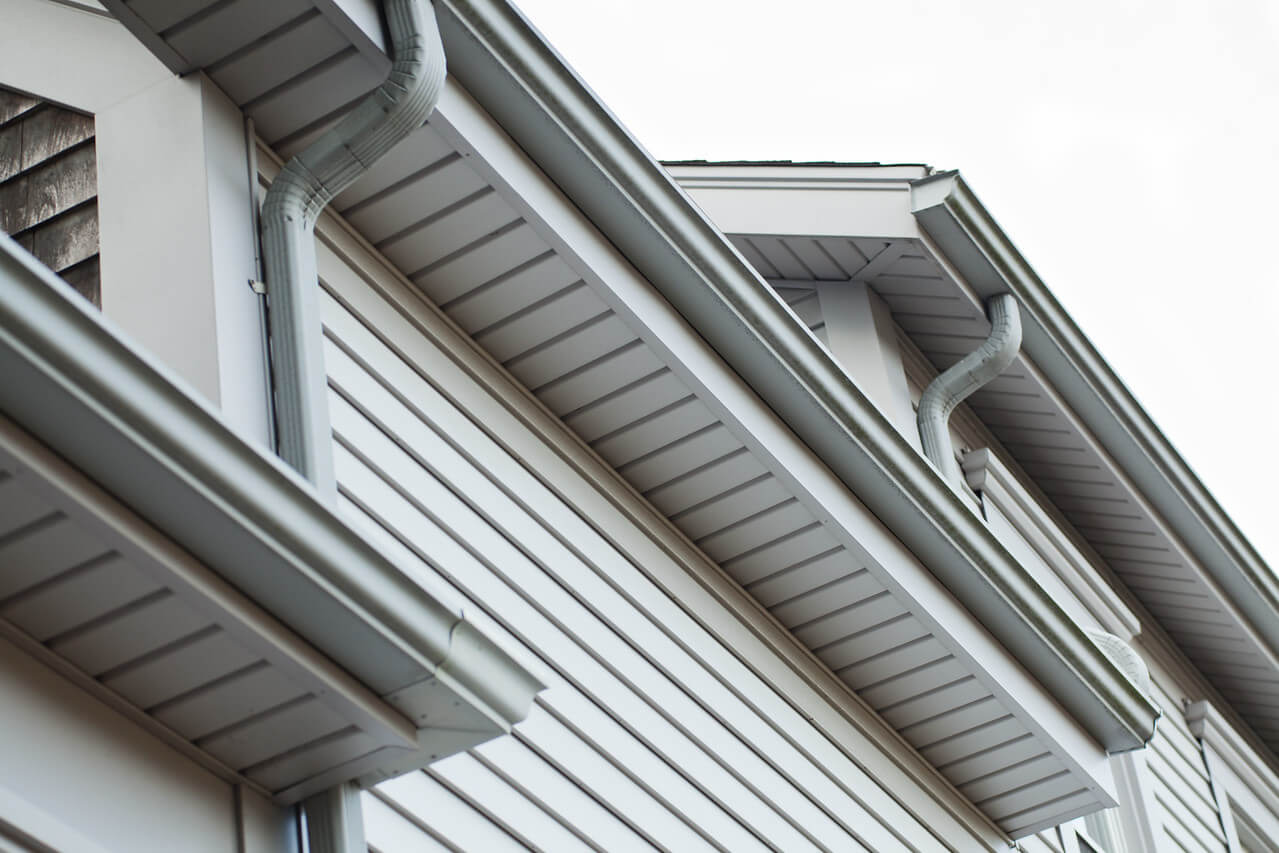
[
  {"x": 293, "y": 204},
  {"x": 962, "y": 379}
]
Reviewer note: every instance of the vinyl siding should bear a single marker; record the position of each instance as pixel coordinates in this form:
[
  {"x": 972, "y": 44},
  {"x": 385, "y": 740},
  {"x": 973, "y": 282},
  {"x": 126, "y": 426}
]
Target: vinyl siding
[
  {"x": 651, "y": 733},
  {"x": 1179, "y": 777}
]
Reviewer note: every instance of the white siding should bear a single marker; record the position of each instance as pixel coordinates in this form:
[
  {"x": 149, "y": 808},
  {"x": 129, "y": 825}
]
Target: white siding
[
  {"x": 651, "y": 732},
  {"x": 1179, "y": 777}
]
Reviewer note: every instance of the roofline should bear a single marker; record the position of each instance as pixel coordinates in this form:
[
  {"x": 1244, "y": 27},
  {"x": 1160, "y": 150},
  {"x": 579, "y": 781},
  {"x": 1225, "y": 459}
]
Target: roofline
[
  {"x": 955, "y": 219},
  {"x": 134, "y": 428},
  {"x": 515, "y": 75}
]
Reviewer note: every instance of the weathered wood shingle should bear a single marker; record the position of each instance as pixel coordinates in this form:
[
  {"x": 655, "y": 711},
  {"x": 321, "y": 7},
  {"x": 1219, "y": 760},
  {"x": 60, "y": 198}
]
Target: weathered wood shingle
[{"x": 49, "y": 187}]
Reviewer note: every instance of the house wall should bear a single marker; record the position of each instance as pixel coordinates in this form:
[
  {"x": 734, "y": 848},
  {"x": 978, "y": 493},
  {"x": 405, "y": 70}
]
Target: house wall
[
  {"x": 75, "y": 775},
  {"x": 171, "y": 159},
  {"x": 661, "y": 724},
  {"x": 1186, "y": 810}
]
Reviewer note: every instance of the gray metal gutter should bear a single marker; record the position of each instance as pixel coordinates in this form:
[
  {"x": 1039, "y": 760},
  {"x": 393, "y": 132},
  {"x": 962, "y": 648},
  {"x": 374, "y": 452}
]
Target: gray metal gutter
[
  {"x": 539, "y": 101},
  {"x": 72, "y": 381},
  {"x": 953, "y": 217}
]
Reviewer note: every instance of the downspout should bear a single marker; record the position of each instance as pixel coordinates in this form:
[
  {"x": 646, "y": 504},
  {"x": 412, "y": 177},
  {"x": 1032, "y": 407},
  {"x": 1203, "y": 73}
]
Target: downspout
[
  {"x": 305, "y": 185},
  {"x": 964, "y": 377}
]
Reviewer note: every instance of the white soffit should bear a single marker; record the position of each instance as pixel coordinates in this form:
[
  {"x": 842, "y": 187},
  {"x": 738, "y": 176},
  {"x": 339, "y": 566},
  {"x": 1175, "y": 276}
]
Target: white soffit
[
  {"x": 165, "y": 564},
  {"x": 291, "y": 65},
  {"x": 942, "y": 314},
  {"x": 468, "y": 219}
]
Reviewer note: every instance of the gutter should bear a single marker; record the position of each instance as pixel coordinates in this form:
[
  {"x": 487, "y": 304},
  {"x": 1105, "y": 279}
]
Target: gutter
[
  {"x": 549, "y": 112},
  {"x": 75, "y": 383},
  {"x": 297, "y": 197},
  {"x": 953, "y": 217}
]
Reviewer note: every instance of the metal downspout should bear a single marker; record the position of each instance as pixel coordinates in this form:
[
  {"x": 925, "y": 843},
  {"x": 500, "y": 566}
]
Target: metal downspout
[
  {"x": 964, "y": 377},
  {"x": 305, "y": 185}
]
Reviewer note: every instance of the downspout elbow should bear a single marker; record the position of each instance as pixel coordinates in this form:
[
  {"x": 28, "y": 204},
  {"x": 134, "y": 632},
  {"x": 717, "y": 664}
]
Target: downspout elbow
[
  {"x": 293, "y": 204},
  {"x": 966, "y": 376}
]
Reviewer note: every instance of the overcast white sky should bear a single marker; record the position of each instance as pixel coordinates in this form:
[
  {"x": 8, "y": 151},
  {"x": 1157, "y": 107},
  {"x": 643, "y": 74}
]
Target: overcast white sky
[{"x": 1130, "y": 149}]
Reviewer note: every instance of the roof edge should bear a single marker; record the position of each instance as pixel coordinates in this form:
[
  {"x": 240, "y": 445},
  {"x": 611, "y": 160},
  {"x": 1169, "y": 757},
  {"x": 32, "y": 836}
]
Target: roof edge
[
  {"x": 551, "y": 113},
  {"x": 952, "y": 215},
  {"x": 136, "y": 430}
]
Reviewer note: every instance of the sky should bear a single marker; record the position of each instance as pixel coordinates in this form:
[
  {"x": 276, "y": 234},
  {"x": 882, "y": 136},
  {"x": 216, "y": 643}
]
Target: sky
[{"x": 1129, "y": 148}]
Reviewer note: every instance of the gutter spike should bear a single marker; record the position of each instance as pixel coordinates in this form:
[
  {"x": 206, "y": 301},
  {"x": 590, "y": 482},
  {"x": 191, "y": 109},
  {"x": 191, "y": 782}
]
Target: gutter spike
[
  {"x": 963, "y": 378},
  {"x": 298, "y": 196}
]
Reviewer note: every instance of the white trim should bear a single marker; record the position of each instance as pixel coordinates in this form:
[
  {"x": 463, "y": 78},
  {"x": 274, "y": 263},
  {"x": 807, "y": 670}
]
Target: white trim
[{"x": 1241, "y": 780}]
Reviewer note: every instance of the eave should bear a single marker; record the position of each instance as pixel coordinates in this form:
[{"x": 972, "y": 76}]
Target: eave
[
  {"x": 965, "y": 230},
  {"x": 1225, "y": 562},
  {"x": 236, "y": 536},
  {"x": 554, "y": 117}
]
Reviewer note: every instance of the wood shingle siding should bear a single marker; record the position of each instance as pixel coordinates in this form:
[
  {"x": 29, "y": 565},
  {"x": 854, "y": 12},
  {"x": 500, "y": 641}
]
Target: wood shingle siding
[{"x": 49, "y": 187}]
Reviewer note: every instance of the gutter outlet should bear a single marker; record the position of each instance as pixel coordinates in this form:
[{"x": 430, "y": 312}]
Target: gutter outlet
[
  {"x": 304, "y": 187},
  {"x": 963, "y": 378}
]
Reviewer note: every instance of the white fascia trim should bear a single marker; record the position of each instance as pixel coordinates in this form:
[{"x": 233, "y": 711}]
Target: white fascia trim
[
  {"x": 133, "y": 428},
  {"x": 550, "y": 113},
  {"x": 974, "y": 243}
]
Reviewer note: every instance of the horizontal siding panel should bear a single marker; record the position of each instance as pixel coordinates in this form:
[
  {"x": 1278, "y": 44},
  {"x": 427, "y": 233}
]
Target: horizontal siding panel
[
  {"x": 512, "y": 521},
  {"x": 543, "y": 784},
  {"x": 564, "y": 652},
  {"x": 491, "y": 795},
  {"x": 585, "y": 764},
  {"x": 388, "y": 831},
  {"x": 441, "y": 814}
]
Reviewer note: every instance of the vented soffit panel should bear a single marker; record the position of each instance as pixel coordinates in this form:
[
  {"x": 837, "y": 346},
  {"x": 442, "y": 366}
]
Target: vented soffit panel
[
  {"x": 293, "y": 66},
  {"x": 1143, "y": 515},
  {"x": 549, "y": 112},
  {"x": 325, "y": 661}
]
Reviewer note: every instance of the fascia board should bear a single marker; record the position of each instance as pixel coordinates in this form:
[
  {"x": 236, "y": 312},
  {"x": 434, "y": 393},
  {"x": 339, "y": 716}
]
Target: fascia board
[
  {"x": 962, "y": 228},
  {"x": 133, "y": 428},
  {"x": 814, "y": 203},
  {"x": 519, "y": 79}
]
